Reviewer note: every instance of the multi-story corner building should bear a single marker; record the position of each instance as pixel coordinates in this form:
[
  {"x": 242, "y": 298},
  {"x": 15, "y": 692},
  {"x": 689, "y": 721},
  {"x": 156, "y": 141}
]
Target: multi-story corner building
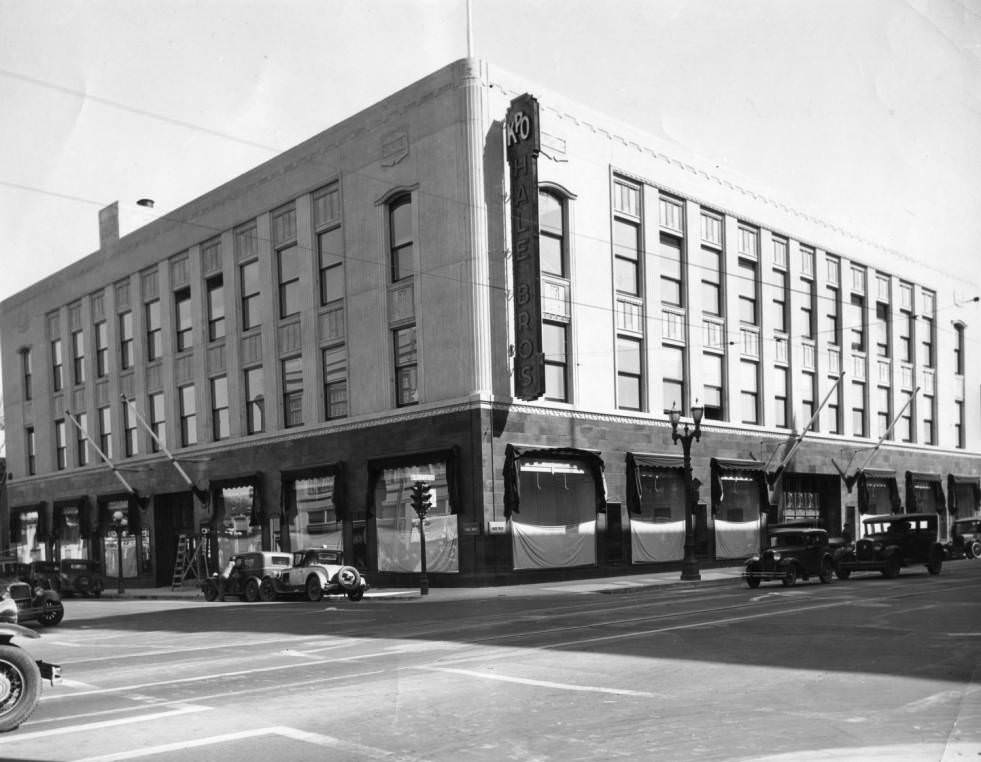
[{"x": 501, "y": 294}]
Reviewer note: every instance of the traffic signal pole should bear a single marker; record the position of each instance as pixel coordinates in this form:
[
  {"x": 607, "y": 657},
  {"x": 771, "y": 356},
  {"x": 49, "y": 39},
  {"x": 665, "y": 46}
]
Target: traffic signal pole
[{"x": 421, "y": 503}]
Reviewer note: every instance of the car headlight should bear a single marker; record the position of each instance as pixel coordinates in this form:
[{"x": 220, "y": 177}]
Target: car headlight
[
  {"x": 754, "y": 558},
  {"x": 776, "y": 556},
  {"x": 877, "y": 546}
]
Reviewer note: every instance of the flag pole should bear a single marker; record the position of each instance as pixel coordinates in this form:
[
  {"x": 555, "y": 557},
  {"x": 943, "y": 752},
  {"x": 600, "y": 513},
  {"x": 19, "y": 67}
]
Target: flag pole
[{"x": 108, "y": 462}]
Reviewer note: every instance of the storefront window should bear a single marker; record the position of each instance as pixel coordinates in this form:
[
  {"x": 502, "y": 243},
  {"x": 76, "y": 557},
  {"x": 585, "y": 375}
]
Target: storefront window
[
  {"x": 235, "y": 531},
  {"x": 657, "y": 529},
  {"x": 29, "y": 548},
  {"x": 397, "y": 523},
  {"x": 70, "y": 544},
  {"x": 111, "y": 541},
  {"x": 316, "y": 524}
]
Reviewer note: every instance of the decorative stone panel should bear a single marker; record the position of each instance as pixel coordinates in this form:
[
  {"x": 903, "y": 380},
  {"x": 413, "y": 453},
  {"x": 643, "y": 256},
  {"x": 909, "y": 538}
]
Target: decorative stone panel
[
  {"x": 184, "y": 368},
  {"x": 290, "y": 339},
  {"x": 251, "y": 350},
  {"x": 122, "y": 295},
  {"x": 332, "y": 324},
  {"x": 401, "y": 302},
  {"x": 179, "y": 271},
  {"x": 216, "y": 359},
  {"x": 149, "y": 284}
]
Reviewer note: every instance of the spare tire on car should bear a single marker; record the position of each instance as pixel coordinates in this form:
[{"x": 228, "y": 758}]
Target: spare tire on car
[{"x": 349, "y": 578}]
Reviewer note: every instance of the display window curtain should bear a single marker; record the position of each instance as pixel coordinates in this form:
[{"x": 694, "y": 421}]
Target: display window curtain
[
  {"x": 878, "y": 492},
  {"x": 636, "y": 465},
  {"x": 752, "y": 498},
  {"x": 963, "y": 494},
  {"x": 930, "y": 499},
  {"x": 16, "y": 527},
  {"x": 45, "y": 521},
  {"x": 450, "y": 457},
  {"x": 287, "y": 494},
  {"x": 513, "y": 453}
]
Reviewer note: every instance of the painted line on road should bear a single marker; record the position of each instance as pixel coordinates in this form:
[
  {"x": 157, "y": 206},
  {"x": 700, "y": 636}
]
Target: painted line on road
[
  {"x": 316, "y": 739},
  {"x": 545, "y": 683},
  {"x": 178, "y": 710},
  {"x": 223, "y": 646}
]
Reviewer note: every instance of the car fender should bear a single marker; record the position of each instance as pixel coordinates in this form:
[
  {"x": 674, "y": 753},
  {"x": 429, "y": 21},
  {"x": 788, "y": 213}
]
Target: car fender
[
  {"x": 49, "y": 595},
  {"x": 9, "y": 630}
]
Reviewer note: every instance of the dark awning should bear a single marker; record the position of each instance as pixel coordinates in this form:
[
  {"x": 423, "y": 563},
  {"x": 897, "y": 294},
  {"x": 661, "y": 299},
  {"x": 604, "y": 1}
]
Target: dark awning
[
  {"x": 513, "y": 453},
  {"x": 871, "y": 477},
  {"x": 636, "y": 463},
  {"x": 954, "y": 485}
]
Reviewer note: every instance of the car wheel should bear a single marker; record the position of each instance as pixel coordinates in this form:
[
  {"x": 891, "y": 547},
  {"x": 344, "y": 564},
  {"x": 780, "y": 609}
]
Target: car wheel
[
  {"x": 210, "y": 590},
  {"x": 973, "y": 549},
  {"x": 267, "y": 590},
  {"x": 314, "y": 589},
  {"x": 251, "y": 592},
  {"x": 790, "y": 577},
  {"x": 52, "y": 613},
  {"x": 82, "y": 584},
  {"x": 349, "y": 578},
  {"x": 355, "y": 595},
  {"x": 752, "y": 581},
  {"x": 826, "y": 573},
  {"x": 935, "y": 563},
  {"x": 20, "y": 687},
  {"x": 891, "y": 570},
  {"x": 843, "y": 573}
]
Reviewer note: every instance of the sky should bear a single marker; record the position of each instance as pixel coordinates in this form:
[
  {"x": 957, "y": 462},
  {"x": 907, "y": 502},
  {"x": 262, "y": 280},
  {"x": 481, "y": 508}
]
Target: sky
[{"x": 863, "y": 113}]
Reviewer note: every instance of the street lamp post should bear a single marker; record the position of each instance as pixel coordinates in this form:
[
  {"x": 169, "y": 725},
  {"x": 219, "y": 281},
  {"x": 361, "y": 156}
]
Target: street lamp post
[
  {"x": 119, "y": 523},
  {"x": 689, "y": 566}
]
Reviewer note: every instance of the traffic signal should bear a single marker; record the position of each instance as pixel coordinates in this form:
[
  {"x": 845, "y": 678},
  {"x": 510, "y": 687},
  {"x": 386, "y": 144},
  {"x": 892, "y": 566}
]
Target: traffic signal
[{"x": 422, "y": 499}]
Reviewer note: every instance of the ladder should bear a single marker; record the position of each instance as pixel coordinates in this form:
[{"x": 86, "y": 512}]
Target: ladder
[{"x": 189, "y": 563}]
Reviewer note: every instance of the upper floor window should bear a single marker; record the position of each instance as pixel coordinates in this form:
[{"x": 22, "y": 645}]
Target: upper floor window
[
  {"x": 555, "y": 346},
  {"x": 748, "y": 242},
  {"x": 27, "y": 372},
  {"x": 882, "y": 329},
  {"x": 330, "y": 243},
  {"x": 293, "y": 392},
  {"x": 126, "y": 340},
  {"x": 856, "y": 322},
  {"x": 402, "y": 249},
  {"x": 219, "y": 408},
  {"x": 101, "y": 349},
  {"x": 806, "y": 262},
  {"x": 713, "y": 386},
  {"x": 81, "y": 444},
  {"x": 105, "y": 431},
  {"x": 626, "y": 198},
  {"x": 57, "y": 366},
  {"x": 154, "y": 344},
  {"x": 832, "y": 316},
  {"x": 406, "y": 366},
  {"x": 834, "y": 270},
  {"x": 672, "y": 271},
  {"x": 711, "y": 230},
  {"x": 746, "y": 283},
  {"x": 158, "y": 420},
  {"x": 959, "y": 348},
  {"x": 251, "y": 306},
  {"x": 215, "y": 286},
  {"x": 131, "y": 444},
  {"x": 182, "y": 315},
  {"x": 629, "y": 373},
  {"x": 30, "y": 447},
  {"x": 626, "y": 256},
  {"x": 779, "y": 321},
  {"x": 672, "y": 214},
  {"x": 289, "y": 281},
  {"x": 61, "y": 445},
  {"x": 552, "y": 233},
  {"x": 188, "y": 414},
  {"x": 78, "y": 356},
  {"x": 711, "y": 274},
  {"x": 254, "y": 401},
  {"x": 780, "y": 248},
  {"x": 335, "y": 382}
]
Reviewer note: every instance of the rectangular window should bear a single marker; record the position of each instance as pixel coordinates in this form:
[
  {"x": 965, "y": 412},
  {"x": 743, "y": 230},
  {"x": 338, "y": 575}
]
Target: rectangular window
[
  {"x": 780, "y": 249},
  {"x": 958, "y": 424},
  {"x": 27, "y": 372},
  {"x": 672, "y": 271},
  {"x": 403, "y": 258},
  {"x": 215, "y": 286},
  {"x": 882, "y": 317},
  {"x": 858, "y": 280},
  {"x": 711, "y": 281},
  {"x": 251, "y": 295},
  {"x": 856, "y": 322},
  {"x": 293, "y": 392},
  {"x": 626, "y": 198},
  {"x": 555, "y": 346},
  {"x": 254, "y": 401},
  {"x": 284, "y": 226},
  {"x": 832, "y": 317},
  {"x": 157, "y": 420},
  {"x": 929, "y": 432},
  {"x": 57, "y": 366},
  {"x": 958, "y": 350},
  {"x": 805, "y": 301},
  {"x": 551, "y": 237},
  {"x": 834, "y": 270},
  {"x": 672, "y": 214},
  {"x": 748, "y": 243},
  {"x": 749, "y": 391},
  {"x": 673, "y": 377},
  {"x": 219, "y": 408},
  {"x": 78, "y": 357},
  {"x": 61, "y": 445},
  {"x": 926, "y": 343},
  {"x": 781, "y": 413},
  {"x": 904, "y": 342},
  {"x": 746, "y": 285},
  {"x": 712, "y": 229},
  {"x": 188, "y": 414},
  {"x": 182, "y": 316},
  {"x": 832, "y": 420},
  {"x": 883, "y": 412},
  {"x": 806, "y": 262},
  {"x": 126, "y": 340},
  {"x": 30, "y": 447},
  {"x": 858, "y": 409},
  {"x": 289, "y": 281},
  {"x": 329, "y": 247},
  {"x": 327, "y": 207},
  {"x": 246, "y": 243},
  {"x": 81, "y": 445},
  {"x": 154, "y": 345},
  {"x": 807, "y": 395},
  {"x": 131, "y": 445},
  {"x": 105, "y": 431},
  {"x": 779, "y": 310},
  {"x": 101, "y": 349},
  {"x": 626, "y": 257},
  {"x": 629, "y": 375},
  {"x": 712, "y": 386},
  {"x": 335, "y": 382},
  {"x": 406, "y": 366}
]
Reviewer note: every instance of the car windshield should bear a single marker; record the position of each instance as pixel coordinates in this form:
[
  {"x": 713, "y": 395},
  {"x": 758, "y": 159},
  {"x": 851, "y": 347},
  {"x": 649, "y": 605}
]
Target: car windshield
[
  {"x": 78, "y": 565},
  {"x": 45, "y": 566}
]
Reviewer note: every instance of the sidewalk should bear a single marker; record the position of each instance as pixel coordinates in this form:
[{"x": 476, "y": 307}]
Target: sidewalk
[{"x": 604, "y": 586}]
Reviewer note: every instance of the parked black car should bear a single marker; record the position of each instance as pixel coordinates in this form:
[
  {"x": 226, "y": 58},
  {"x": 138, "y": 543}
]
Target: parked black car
[
  {"x": 34, "y": 604},
  {"x": 965, "y": 538},
  {"x": 891, "y": 542},
  {"x": 244, "y": 574},
  {"x": 792, "y": 553}
]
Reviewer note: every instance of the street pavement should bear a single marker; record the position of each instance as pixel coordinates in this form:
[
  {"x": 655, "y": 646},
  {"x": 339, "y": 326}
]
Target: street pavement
[{"x": 609, "y": 585}]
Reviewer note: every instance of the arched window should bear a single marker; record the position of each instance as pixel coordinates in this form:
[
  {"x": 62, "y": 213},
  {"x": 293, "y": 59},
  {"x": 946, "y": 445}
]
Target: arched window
[
  {"x": 552, "y": 233},
  {"x": 400, "y": 237}
]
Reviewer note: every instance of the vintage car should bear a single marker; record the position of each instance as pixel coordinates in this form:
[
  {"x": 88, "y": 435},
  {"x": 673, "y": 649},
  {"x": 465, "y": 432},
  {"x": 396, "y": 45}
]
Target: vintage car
[
  {"x": 965, "y": 538},
  {"x": 70, "y": 576},
  {"x": 317, "y": 572},
  {"x": 792, "y": 553},
  {"x": 244, "y": 576},
  {"x": 34, "y": 604},
  {"x": 890, "y": 542}
]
